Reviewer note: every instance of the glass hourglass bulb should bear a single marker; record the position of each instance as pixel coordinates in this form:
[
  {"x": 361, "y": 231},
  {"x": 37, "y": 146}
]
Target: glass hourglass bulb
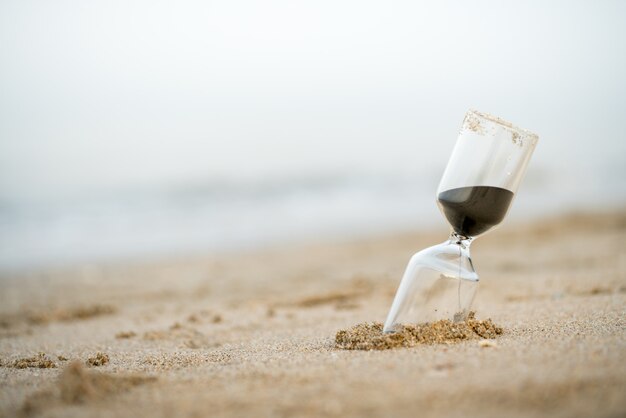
[{"x": 483, "y": 174}]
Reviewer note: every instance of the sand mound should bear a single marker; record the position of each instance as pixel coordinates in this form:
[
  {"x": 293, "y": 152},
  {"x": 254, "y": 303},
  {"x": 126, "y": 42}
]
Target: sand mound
[
  {"x": 40, "y": 361},
  {"x": 100, "y": 359},
  {"x": 188, "y": 336},
  {"x": 370, "y": 336},
  {"x": 78, "y": 385},
  {"x": 70, "y": 314},
  {"x": 125, "y": 335}
]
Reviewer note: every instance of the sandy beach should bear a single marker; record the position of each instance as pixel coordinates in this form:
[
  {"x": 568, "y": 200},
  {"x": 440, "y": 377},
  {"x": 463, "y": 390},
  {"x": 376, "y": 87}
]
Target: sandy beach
[{"x": 253, "y": 334}]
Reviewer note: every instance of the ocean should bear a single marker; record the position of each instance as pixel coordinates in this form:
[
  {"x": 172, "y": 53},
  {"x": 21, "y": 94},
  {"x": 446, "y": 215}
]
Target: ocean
[{"x": 204, "y": 217}]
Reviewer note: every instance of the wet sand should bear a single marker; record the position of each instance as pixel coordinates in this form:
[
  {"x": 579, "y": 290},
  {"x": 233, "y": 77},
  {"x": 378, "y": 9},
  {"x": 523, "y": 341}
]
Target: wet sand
[{"x": 253, "y": 334}]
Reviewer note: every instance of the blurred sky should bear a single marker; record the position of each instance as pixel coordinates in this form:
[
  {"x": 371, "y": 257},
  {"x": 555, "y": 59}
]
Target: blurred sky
[{"x": 103, "y": 94}]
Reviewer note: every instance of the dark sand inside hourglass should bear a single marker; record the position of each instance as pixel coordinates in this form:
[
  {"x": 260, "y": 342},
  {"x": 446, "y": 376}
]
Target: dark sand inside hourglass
[{"x": 473, "y": 210}]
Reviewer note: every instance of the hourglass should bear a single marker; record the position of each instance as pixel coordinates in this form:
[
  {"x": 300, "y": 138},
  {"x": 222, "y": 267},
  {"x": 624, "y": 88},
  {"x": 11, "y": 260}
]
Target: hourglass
[{"x": 483, "y": 174}]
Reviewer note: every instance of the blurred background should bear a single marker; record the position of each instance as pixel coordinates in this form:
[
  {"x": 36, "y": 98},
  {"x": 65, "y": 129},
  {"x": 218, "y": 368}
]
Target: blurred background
[{"x": 138, "y": 129}]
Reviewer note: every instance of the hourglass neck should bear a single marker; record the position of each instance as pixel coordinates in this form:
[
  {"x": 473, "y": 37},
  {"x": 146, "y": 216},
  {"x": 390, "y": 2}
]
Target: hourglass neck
[{"x": 460, "y": 240}]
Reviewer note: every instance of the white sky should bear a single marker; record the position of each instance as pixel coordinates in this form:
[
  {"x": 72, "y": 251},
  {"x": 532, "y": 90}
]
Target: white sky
[{"x": 105, "y": 93}]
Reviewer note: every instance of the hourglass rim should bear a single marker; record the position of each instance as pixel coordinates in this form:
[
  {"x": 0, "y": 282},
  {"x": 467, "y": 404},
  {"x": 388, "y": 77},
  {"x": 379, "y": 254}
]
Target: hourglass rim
[{"x": 470, "y": 123}]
